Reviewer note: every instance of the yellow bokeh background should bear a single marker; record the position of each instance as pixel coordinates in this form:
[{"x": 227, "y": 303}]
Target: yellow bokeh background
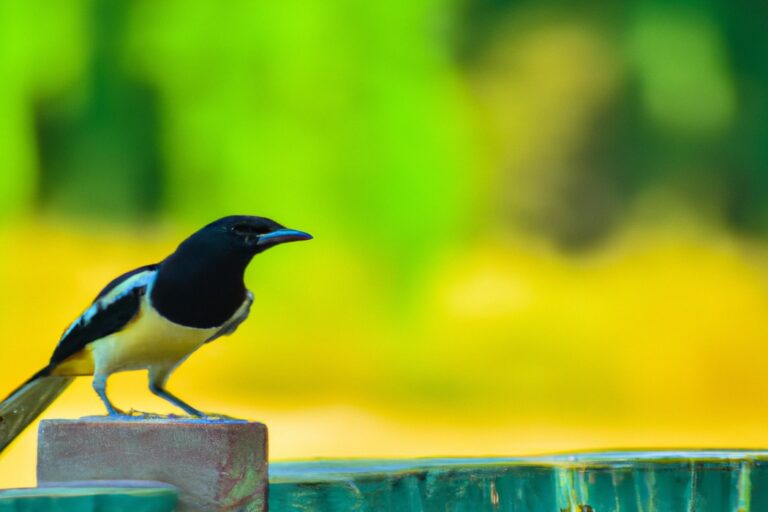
[
  {"x": 656, "y": 341},
  {"x": 537, "y": 228}
]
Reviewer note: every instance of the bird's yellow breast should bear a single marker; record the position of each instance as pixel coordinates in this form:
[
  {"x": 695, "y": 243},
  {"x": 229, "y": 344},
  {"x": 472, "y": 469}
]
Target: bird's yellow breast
[{"x": 147, "y": 340}]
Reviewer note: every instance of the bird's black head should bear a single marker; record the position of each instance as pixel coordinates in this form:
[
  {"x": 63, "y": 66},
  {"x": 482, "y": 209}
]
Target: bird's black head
[
  {"x": 248, "y": 234},
  {"x": 201, "y": 283}
]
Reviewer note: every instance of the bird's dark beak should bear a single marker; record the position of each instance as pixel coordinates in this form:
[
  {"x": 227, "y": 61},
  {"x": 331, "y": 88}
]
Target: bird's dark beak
[{"x": 281, "y": 236}]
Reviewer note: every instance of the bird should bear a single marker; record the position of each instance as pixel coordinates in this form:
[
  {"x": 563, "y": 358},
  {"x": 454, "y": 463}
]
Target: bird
[{"x": 153, "y": 317}]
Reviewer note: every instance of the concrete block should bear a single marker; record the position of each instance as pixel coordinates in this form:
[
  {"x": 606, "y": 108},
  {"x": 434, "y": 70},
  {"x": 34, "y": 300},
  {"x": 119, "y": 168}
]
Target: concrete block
[{"x": 217, "y": 465}]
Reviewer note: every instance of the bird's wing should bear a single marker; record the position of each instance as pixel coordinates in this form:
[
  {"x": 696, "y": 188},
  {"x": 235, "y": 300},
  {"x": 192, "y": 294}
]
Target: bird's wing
[
  {"x": 120, "y": 282},
  {"x": 231, "y": 326},
  {"x": 115, "y": 306}
]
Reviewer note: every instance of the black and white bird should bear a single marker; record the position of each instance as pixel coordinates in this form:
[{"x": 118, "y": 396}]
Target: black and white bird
[{"x": 153, "y": 318}]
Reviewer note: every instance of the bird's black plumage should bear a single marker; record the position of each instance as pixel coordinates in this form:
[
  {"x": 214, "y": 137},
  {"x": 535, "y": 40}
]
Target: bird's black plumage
[
  {"x": 153, "y": 318},
  {"x": 232, "y": 325},
  {"x": 201, "y": 283}
]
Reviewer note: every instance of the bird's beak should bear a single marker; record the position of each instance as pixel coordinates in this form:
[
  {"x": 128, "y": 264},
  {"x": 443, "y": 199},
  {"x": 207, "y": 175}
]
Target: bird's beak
[{"x": 283, "y": 235}]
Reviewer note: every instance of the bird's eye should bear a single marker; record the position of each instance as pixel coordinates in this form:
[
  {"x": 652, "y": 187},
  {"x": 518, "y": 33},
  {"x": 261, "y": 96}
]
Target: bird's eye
[{"x": 246, "y": 229}]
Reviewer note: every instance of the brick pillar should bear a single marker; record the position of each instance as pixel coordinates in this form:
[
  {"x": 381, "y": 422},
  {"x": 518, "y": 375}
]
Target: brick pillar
[{"x": 217, "y": 465}]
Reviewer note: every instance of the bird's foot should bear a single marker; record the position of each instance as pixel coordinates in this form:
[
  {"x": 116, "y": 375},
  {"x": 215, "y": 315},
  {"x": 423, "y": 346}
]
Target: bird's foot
[
  {"x": 214, "y": 416},
  {"x": 208, "y": 416},
  {"x": 196, "y": 414},
  {"x": 114, "y": 412},
  {"x": 135, "y": 413}
]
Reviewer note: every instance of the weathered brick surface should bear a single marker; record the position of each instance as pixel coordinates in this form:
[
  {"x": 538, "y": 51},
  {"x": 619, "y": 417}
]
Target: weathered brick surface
[{"x": 218, "y": 465}]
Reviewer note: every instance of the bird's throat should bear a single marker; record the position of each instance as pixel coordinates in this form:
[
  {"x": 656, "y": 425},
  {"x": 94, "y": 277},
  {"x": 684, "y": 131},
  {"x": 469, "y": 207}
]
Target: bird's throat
[{"x": 200, "y": 291}]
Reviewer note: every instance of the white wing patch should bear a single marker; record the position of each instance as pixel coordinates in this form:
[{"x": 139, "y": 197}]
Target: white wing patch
[{"x": 139, "y": 280}]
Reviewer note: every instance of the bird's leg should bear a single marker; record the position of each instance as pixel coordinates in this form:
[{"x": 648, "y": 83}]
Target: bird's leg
[
  {"x": 100, "y": 386},
  {"x": 157, "y": 380}
]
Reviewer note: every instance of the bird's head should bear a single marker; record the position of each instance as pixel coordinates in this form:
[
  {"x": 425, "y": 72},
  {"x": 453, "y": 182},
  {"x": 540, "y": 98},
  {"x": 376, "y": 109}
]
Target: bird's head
[{"x": 248, "y": 234}]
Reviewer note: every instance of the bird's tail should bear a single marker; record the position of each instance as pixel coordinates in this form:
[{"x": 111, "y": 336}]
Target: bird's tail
[{"x": 27, "y": 402}]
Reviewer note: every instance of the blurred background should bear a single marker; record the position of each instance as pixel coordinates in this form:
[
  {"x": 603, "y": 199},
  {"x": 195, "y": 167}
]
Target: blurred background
[{"x": 539, "y": 225}]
